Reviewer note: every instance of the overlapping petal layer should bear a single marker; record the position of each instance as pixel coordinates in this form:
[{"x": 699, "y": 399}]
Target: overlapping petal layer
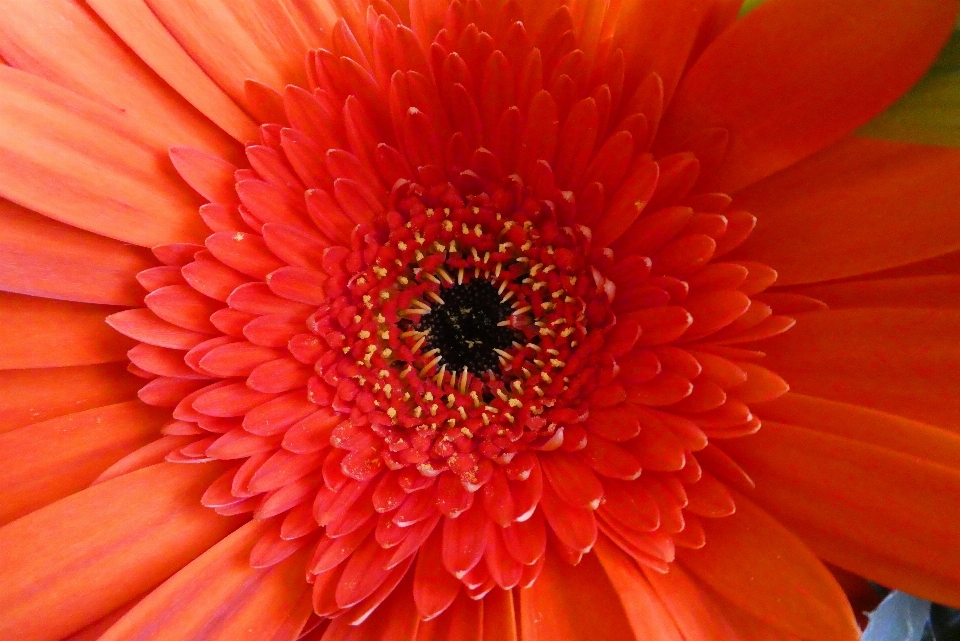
[{"x": 548, "y": 106}]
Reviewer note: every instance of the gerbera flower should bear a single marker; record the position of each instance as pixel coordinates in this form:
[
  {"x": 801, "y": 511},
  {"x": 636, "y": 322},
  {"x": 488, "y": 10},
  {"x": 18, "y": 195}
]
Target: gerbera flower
[{"x": 449, "y": 320}]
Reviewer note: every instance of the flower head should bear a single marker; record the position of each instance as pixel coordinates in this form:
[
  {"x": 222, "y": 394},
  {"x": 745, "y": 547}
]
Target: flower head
[{"x": 470, "y": 329}]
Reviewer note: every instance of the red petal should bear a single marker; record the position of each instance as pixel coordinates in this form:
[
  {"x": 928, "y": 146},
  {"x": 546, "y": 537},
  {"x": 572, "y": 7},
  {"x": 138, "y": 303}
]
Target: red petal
[
  {"x": 464, "y": 540},
  {"x": 809, "y": 214},
  {"x": 748, "y": 555},
  {"x": 777, "y": 118},
  {"x": 572, "y": 479},
  {"x": 900, "y": 361},
  {"x": 860, "y": 505},
  {"x": 573, "y": 603},
  {"x": 208, "y": 174},
  {"x": 575, "y": 527},
  {"x": 434, "y": 587},
  {"x": 696, "y": 613},
  {"x": 526, "y": 540},
  {"x": 646, "y": 613}
]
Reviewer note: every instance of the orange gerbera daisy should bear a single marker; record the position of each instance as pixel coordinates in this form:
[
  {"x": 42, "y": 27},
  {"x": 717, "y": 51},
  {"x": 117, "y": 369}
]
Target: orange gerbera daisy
[{"x": 449, "y": 320}]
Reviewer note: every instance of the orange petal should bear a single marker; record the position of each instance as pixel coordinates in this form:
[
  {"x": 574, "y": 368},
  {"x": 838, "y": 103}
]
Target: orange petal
[
  {"x": 811, "y": 217},
  {"x": 96, "y": 629},
  {"x": 573, "y": 603},
  {"x": 745, "y": 560},
  {"x": 140, "y": 29},
  {"x": 916, "y": 291},
  {"x": 110, "y": 179},
  {"x": 47, "y": 461},
  {"x": 866, "y": 425},
  {"x": 254, "y": 40},
  {"x": 695, "y": 612},
  {"x": 644, "y": 609},
  {"x": 89, "y": 553},
  {"x": 32, "y": 395},
  {"x": 865, "y": 501},
  {"x": 60, "y": 41},
  {"x": 797, "y": 75},
  {"x": 45, "y": 258},
  {"x": 36, "y": 332},
  {"x": 902, "y": 361},
  {"x": 499, "y": 616},
  {"x": 657, "y": 36},
  {"x": 219, "y": 596}
]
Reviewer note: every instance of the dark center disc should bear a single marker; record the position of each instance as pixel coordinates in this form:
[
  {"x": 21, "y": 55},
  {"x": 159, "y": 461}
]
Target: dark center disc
[{"x": 465, "y": 327}]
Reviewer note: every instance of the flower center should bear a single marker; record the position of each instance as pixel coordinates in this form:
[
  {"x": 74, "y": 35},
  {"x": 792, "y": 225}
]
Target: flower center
[
  {"x": 469, "y": 327},
  {"x": 463, "y": 328}
]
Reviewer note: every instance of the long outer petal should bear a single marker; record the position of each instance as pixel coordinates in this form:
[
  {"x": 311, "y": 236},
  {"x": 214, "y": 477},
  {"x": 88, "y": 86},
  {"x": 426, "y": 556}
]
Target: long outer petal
[
  {"x": 658, "y": 36},
  {"x": 139, "y": 28},
  {"x": 696, "y": 612},
  {"x": 61, "y": 41},
  {"x": 746, "y": 558},
  {"x": 870, "y": 504},
  {"x": 252, "y": 40},
  {"x": 87, "y": 554},
  {"x": 644, "y": 609},
  {"x": 219, "y": 597},
  {"x": 47, "y": 461},
  {"x": 572, "y": 603},
  {"x": 33, "y": 395},
  {"x": 934, "y": 291},
  {"x": 89, "y": 166},
  {"x": 860, "y": 206},
  {"x": 37, "y": 332},
  {"x": 794, "y": 76},
  {"x": 42, "y": 257},
  {"x": 901, "y": 361},
  {"x": 866, "y": 425}
]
